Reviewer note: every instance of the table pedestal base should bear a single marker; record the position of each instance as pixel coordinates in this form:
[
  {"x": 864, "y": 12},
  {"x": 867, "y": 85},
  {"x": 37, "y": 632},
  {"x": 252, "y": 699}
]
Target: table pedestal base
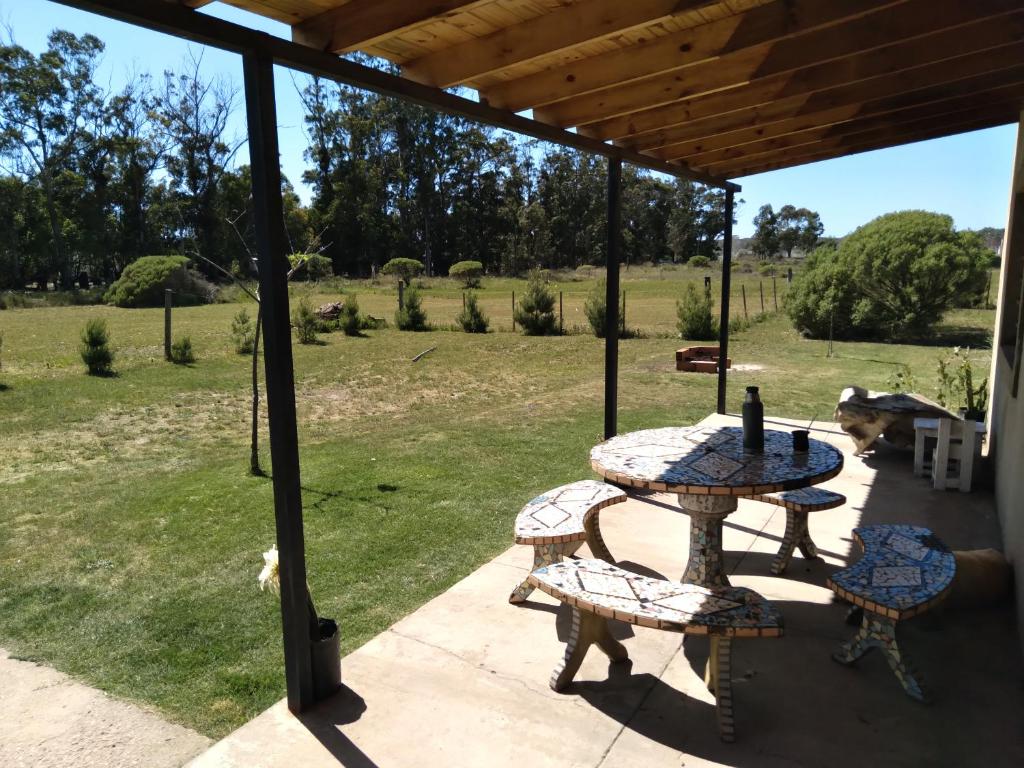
[{"x": 705, "y": 567}]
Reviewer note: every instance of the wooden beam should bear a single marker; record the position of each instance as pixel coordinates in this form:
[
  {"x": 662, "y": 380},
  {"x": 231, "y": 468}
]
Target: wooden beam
[
  {"x": 891, "y": 40},
  {"x": 972, "y": 90},
  {"x": 564, "y": 28},
  {"x": 788, "y": 96},
  {"x": 806, "y": 155},
  {"x": 208, "y": 30},
  {"x": 944, "y": 111},
  {"x": 757, "y": 26},
  {"x": 360, "y": 23}
]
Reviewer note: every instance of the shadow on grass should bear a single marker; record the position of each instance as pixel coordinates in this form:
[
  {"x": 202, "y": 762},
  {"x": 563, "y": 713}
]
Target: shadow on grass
[
  {"x": 4, "y": 387},
  {"x": 103, "y": 374}
]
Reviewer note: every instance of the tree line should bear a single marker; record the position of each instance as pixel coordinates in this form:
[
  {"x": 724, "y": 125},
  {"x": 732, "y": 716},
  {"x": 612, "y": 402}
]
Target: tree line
[{"x": 93, "y": 178}]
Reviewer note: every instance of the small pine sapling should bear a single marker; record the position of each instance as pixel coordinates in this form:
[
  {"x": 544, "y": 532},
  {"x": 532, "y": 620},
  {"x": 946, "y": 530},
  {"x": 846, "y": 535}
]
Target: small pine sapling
[
  {"x": 472, "y": 319},
  {"x": 306, "y": 322},
  {"x": 95, "y": 349},
  {"x": 411, "y": 317},
  {"x": 242, "y": 333},
  {"x": 349, "y": 320},
  {"x": 181, "y": 351},
  {"x": 536, "y": 312}
]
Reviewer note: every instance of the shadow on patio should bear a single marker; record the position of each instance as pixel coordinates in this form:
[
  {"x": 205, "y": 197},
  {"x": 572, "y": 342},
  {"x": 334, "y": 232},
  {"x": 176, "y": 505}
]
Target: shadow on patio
[{"x": 463, "y": 680}]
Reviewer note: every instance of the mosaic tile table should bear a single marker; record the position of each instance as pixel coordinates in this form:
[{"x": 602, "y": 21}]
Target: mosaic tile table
[
  {"x": 708, "y": 469},
  {"x": 905, "y": 571}
]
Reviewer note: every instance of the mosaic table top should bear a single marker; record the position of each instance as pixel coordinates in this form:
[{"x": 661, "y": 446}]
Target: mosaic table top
[
  {"x": 559, "y": 514},
  {"x": 614, "y": 593},
  {"x": 711, "y": 460},
  {"x": 905, "y": 570}
]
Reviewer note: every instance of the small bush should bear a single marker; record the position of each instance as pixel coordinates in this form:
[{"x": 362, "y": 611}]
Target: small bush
[
  {"x": 95, "y": 349},
  {"x": 181, "y": 351},
  {"x": 472, "y": 319},
  {"x": 596, "y": 310},
  {"x": 243, "y": 333},
  {"x": 349, "y": 320},
  {"x": 411, "y": 317},
  {"x": 143, "y": 282},
  {"x": 696, "y": 318},
  {"x": 700, "y": 262},
  {"x": 469, "y": 272},
  {"x": 315, "y": 268},
  {"x": 536, "y": 311},
  {"x": 306, "y": 322},
  {"x": 406, "y": 269},
  {"x": 767, "y": 269}
]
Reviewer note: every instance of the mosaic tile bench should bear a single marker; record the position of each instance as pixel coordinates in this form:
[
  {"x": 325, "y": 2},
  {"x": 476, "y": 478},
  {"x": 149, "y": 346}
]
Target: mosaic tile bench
[
  {"x": 798, "y": 503},
  {"x": 598, "y": 591},
  {"x": 557, "y": 523},
  {"x": 905, "y": 571}
]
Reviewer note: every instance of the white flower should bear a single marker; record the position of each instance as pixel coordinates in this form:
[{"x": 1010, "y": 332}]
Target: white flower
[{"x": 270, "y": 576}]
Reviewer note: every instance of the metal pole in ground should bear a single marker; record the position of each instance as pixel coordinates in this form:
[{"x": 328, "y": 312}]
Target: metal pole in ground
[
  {"x": 723, "y": 323},
  {"x": 611, "y": 331},
  {"x": 622, "y": 320},
  {"x": 561, "y": 323},
  {"x": 168, "y": 293},
  {"x": 264, "y": 158},
  {"x": 513, "y": 311}
]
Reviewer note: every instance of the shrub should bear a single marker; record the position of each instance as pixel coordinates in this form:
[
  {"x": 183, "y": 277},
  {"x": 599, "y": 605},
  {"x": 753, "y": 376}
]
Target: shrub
[
  {"x": 892, "y": 278},
  {"x": 349, "y": 320},
  {"x": 766, "y": 269},
  {"x": 181, "y": 351},
  {"x": 469, "y": 272},
  {"x": 696, "y": 318},
  {"x": 143, "y": 282},
  {"x": 471, "y": 318},
  {"x": 536, "y": 311},
  {"x": 243, "y": 333},
  {"x": 315, "y": 268},
  {"x": 701, "y": 262},
  {"x": 406, "y": 269},
  {"x": 411, "y": 317},
  {"x": 596, "y": 310},
  {"x": 96, "y": 352},
  {"x": 306, "y": 322}
]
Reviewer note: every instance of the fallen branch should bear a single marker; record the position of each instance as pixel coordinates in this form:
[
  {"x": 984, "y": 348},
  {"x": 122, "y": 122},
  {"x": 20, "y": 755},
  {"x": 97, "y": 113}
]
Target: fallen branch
[{"x": 421, "y": 354}]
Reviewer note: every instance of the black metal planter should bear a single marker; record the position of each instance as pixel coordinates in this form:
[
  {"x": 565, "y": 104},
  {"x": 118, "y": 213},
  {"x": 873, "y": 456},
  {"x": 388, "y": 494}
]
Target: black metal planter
[{"x": 326, "y": 655}]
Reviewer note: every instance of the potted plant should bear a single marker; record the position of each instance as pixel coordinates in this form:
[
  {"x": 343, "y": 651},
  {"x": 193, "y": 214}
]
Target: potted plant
[
  {"x": 956, "y": 386},
  {"x": 324, "y": 649}
]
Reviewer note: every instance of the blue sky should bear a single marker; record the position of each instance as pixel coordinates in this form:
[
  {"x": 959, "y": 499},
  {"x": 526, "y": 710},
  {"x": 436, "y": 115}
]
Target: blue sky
[{"x": 967, "y": 176}]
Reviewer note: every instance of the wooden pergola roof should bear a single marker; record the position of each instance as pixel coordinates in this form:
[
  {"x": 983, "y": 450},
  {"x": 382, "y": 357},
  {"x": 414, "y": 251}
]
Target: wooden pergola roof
[{"x": 724, "y": 88}]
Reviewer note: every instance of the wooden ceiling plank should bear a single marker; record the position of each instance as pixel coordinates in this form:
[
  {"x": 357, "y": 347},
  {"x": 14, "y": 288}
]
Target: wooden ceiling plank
[
  {"x": 894, "y": 38},
  {"x": 565, "y": 28},
  {"x": 825, "y": 87},
  {"x": 361, "y": 23},
  {"x": 798, "y": 113},
  {"x": 950, "y": 112},
  {"x": 838, "y": 148},
  {"x": 757, "y": 26},
  {"x": 842, "y": 120}
]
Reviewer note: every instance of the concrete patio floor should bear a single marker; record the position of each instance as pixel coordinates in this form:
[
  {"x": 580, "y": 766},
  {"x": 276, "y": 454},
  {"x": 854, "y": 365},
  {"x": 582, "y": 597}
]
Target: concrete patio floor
[{"x": 463, "y": 681}]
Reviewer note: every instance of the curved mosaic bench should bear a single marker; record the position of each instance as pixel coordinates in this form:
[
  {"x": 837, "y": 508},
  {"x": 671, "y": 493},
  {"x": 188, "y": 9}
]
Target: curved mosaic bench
[
  {"x": 557, "y": 523},
  {"x": 905, "y": 571},
  {"x": 798, "y": 503},
  {"x": 598, "y": 591}
]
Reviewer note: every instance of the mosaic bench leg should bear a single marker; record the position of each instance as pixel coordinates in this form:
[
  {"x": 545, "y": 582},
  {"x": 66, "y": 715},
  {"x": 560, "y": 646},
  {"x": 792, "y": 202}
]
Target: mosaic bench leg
[
  {"x": 587, "y": 629},
  {"x": 706, "y": 564},
  {"x": 880, "y": 632},
  {"x": 595, "y": 541},
  {"x": 543, "y": 554},
  {"x": 797, "y": 535},
  {"x": 718, "y": 678}
]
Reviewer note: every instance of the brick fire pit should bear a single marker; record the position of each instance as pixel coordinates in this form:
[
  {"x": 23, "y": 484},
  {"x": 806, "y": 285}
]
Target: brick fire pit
[{"x": 699, "y": 359}]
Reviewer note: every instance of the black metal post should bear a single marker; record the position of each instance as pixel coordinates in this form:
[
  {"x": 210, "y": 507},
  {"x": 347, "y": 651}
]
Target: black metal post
[
  {"x": 723, "y": 323},
  {"x": 268, "y": 221},
  {"x": 611, "y": 331}
]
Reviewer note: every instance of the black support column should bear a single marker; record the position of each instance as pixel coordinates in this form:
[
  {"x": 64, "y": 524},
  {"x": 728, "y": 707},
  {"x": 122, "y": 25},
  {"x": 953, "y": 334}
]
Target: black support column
[
  {"x": 268, "y": 222},
  {"x": 723, "y": 323},
  {"x": 611, "y": 332}
]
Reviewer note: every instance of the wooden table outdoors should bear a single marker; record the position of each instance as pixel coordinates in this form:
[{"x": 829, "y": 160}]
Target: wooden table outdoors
[{"x": 709, "y": 470}]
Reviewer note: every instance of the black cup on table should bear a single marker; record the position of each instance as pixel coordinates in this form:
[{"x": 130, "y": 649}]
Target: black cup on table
[{"x": 801, "y": 440}]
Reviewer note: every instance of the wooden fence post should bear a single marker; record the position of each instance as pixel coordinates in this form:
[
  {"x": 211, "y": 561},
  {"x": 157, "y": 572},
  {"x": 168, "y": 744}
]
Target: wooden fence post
[
  {"x": 513, "y": 311},
  {"x": 168, "y": 293},
  {"x": 775, "y": 295},
  {"x": 760, "y": 287},
  {"x": 622, "y": 319},
  {"x": 561, "y": 319},
  {"x": 743, "y": 289},
  {"x": 401, "y": 294}
]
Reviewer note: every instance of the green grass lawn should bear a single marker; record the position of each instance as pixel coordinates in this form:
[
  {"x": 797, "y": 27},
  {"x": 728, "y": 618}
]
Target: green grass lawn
[{"x": 132, "y": 534}]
